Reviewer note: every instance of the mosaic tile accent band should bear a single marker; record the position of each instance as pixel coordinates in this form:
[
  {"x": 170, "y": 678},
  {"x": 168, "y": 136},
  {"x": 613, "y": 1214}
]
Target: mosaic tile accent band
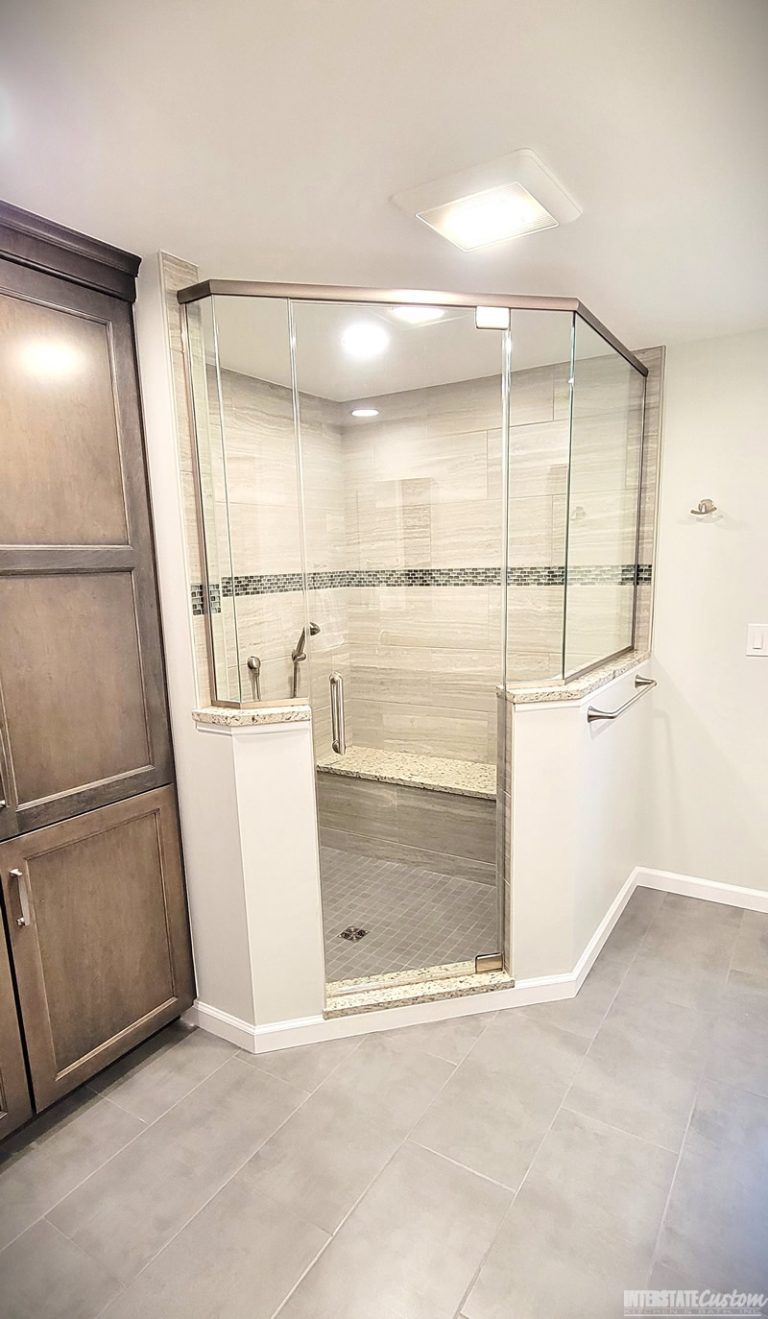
[{"x": 620, "y": 574}]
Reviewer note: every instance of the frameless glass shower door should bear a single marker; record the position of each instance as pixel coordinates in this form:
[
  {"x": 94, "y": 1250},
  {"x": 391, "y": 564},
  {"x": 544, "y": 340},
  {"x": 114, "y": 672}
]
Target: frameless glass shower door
[{"x": 401, "y": 412}]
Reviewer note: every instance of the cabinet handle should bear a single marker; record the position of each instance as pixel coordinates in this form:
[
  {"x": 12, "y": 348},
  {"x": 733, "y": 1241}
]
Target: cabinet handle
[{"x": 21, "y": 887}]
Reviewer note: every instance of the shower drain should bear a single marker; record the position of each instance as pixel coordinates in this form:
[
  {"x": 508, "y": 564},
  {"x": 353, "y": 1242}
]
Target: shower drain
[{"x": 353, "y": 933}]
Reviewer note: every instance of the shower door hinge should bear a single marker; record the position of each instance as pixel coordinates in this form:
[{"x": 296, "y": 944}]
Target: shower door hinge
[{"x": 489, "y": 962}]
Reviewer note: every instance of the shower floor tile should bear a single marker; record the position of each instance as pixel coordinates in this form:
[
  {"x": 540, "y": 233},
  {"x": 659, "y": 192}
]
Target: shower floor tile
[{"x": 413, "y": 917}]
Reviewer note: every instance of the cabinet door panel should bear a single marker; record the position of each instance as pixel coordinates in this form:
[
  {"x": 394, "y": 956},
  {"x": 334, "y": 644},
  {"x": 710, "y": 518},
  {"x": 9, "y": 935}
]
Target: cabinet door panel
[
  {"x": 88, "y": 724},
  {"x": 103, "y": 959},
  {"x": 59, "y": 437},
  {"x": 15, "y": 1104}
]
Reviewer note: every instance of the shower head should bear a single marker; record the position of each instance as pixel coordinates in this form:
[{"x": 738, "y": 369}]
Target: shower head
[{"x": 299, "y": 652}]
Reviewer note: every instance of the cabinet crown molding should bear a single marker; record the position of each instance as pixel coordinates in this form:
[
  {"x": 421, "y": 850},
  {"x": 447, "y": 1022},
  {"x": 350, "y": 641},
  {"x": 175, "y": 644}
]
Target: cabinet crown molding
[{"x": 31, "y": 240}]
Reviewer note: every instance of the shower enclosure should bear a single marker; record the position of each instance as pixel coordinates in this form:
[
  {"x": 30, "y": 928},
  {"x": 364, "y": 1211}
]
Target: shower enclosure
[{"x": 409, "y": 501}]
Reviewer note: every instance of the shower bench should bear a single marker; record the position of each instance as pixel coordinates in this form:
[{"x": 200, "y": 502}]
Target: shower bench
[{"x": 427, "y": 811}]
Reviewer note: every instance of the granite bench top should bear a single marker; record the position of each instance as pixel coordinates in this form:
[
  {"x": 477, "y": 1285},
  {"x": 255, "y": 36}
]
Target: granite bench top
[{"x": 465, "y": 778}]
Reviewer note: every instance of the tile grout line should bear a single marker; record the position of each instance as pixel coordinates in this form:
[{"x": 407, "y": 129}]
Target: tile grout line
[
  {"x": 703, "y": 1077},
  {"x": 243, "y": 1056},
  {"x": 219, "y": 1189},
  {"x": 86, "y": 1256},
  {"x": 662, "y": 1218},
  {"x": 560, "y": 1108},
  {"x": 146, "y": 1127},
  {"x": 405, "y": 1140}
]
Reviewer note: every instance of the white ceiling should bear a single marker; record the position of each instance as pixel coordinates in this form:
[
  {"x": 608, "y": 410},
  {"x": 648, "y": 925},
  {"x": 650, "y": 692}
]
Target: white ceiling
[{"x": 263, "y": 140}]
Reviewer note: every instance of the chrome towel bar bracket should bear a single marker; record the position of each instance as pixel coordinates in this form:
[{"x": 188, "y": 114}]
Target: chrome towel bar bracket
[{"x": 643, "y": 684}]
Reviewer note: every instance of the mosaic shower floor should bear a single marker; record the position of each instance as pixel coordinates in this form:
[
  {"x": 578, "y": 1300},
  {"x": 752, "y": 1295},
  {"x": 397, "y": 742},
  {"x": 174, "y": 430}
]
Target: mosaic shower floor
[{"x": 412, "y": 917}]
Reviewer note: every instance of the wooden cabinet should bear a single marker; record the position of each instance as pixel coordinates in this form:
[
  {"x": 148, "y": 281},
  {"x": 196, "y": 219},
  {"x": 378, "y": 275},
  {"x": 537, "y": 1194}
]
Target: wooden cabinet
[
  {"x": 94, "y": 915},
  {"x": 83, "y": 717},
  {"x": 98, "y": 933},
  {"x": 15, "y": 1104}
]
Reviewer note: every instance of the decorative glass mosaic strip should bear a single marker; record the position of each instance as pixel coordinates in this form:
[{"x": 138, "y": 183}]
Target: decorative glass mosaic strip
[
  {"x": 622, "y": 574},
  {"x": 198, "y": 598}
]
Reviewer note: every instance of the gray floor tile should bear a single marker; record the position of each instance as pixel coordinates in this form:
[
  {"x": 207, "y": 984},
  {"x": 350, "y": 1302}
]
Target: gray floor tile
[
  {"x": 494, "y": 1111},
  {"x": 715, "y": 1232},
  {"x": 750, "y": 951},
  {"x": 322, "y": 1160},
  {"x": 692, "y": 933},
  {"x": 633, "y": 924},
  {"x": 729, "y": 1127},
  {"x": 306, "y": 1065},
  {"x": 582, "y": 1227},
  {"x": 645, "y": 1095},
  {"x": 739, "y": 1052},
  {"x": 584, "y": 1014},
  {"x": 689, "y": 977},
  {"x": 45, "y": 1276},
  {"x": 744, "y": 994},
  {"x": 237, "y": 1259},
  {"x": 643, "y": 1068},
  {"x": 125, "y": 1213},
  {"x": 239, "y": 1181},
  {"x": 652, "y": 1022},
  {"x": 156, "y": 1075},
  {"x": 327, "y": 1154},
  {"x": 391, "y": 1086},
  {"x": 410, "y": 1248},
  {"x": 451, "y": 1039},
  {"x": 55, "y": 1153}
]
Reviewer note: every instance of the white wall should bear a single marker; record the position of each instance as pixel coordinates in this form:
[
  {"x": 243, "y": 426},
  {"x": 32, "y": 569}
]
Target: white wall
[{"x": 707, "y": 784}]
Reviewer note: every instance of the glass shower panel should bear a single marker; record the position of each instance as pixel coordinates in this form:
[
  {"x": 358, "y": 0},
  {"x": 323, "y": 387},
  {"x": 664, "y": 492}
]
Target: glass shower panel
[
  {"x": 250, "y": 497},
  {"x": 604, "y": 488},
  {"x": 210, "y": 468},
  {"x": 400, "y": 421},
  {"x": 539, "y": 438}
]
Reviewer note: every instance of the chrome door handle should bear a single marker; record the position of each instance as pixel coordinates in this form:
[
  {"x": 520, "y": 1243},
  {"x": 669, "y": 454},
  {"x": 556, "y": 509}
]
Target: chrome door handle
[
  {"x": 339, "y": 740},
  {"x": 23, "y": 917}
]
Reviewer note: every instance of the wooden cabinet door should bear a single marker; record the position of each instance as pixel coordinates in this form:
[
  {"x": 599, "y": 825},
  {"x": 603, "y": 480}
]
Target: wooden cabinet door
[
  {"x": 83, "y": 717},
  {"x": 99, "y": 937},
  {"x": 15, "y": 1103}
]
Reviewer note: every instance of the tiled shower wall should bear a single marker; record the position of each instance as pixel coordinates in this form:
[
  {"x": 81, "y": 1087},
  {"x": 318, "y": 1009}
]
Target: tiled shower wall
[{"x": 402, "y": 519}]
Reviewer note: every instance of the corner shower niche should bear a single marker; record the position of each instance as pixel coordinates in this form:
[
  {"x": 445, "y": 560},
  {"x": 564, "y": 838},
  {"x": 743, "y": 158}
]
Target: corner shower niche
[{"x": 403, "y": 513}]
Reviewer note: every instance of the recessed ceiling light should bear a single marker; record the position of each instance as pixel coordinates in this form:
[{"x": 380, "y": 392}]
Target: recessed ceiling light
[
  {"x": 415, "y": 315},
  {"x": 491, "y": 203},
  {"x": 365, "y": 339},
  {"x": 491, "y": 216},
  {"x": 365, "y": 412}
]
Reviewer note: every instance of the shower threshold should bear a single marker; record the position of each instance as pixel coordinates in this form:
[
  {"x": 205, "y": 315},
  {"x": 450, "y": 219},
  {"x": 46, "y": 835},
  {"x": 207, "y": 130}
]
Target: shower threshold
[
  {"x": 393, "y": 979},
  {"x": 399, "y": 989}
]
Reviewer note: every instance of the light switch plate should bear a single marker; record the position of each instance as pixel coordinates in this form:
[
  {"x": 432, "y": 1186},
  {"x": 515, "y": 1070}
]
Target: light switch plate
[{"x": 757, "y": 639}]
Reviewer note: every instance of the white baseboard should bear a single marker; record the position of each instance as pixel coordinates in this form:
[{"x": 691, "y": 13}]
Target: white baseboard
[
  {"x": 689, "y": 886},
  {"x": 311, "y": 1030},
  {"x": 524, "y": 993}
]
